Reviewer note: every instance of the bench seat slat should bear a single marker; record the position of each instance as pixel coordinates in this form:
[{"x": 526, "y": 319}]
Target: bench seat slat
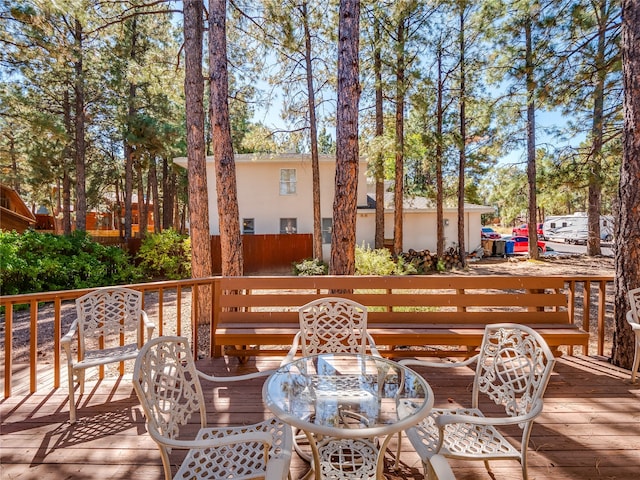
[
  {"x": 399, "y": 300},
  {"x": 555, "y": 335},
  {"x": 417, "y": 318}
]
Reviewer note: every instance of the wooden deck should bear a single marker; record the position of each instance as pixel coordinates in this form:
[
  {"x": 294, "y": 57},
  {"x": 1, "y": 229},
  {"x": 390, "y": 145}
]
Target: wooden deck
[{"x": 590, "y": 428}]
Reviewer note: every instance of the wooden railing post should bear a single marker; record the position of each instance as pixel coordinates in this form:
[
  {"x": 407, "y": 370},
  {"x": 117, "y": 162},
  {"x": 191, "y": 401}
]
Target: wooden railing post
[
  {"x": 160, "y": 306},
  {"x": 57, "y": 335},
  {"x": 586, "y": 310},
  {"x": 195, "y": 301},
  {"x": 179, "y": 310},
  {"x": 8, "y": 348},
  {"x": 602, "y": 293},
  {"x": 33, "y": 347},
  {"x": 215, "y": 350}
]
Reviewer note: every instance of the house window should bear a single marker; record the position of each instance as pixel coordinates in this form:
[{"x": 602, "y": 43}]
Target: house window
[
  {"x": 288, "y": 225},
  {"x": 287, "y": 181},
  {"x": 247, "y": 226},
  {"x": 327, "y": 224}
]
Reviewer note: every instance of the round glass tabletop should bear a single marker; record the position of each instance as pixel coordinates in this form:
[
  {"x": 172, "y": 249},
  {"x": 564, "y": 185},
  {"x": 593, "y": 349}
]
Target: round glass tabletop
[{"x": 348, "y": 395}]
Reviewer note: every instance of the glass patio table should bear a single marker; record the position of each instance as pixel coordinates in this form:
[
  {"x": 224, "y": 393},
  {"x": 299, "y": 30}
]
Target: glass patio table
[{"x": 342, "y": 403}]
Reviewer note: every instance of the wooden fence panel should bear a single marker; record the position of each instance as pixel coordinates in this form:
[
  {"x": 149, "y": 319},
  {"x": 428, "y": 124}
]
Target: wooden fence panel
[{"x": 268, "y": 253}]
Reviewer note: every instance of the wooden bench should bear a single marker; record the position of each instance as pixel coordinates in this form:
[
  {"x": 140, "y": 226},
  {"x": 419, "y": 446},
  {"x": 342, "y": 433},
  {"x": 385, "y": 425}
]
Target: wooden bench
[{"x": 444, "y": 315}]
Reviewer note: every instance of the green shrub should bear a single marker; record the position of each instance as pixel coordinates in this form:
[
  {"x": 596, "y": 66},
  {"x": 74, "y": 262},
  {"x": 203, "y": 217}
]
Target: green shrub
[
  {"x": 165, "y": 255},
  {"x": 380, "y": 262},
  {"x": 38, "y": 262},
  {"x": 311, "y": 266}
]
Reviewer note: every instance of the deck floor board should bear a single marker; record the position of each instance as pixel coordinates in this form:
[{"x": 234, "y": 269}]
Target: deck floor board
[{"x": 590, "y": 427}]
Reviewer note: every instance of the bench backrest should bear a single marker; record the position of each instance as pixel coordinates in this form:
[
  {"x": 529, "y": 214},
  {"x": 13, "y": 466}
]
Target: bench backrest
[{"x": 398, "y": 299}]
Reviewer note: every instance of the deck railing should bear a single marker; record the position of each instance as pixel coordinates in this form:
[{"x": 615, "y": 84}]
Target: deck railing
[{"x": 174, "y": 298}]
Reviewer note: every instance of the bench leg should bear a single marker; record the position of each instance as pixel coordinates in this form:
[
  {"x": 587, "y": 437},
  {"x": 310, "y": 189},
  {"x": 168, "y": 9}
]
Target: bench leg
[{"x": 242, "y": 359}]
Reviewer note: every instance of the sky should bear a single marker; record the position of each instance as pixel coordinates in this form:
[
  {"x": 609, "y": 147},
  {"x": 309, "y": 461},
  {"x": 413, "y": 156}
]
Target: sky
[{"x": 545, "y": 120}]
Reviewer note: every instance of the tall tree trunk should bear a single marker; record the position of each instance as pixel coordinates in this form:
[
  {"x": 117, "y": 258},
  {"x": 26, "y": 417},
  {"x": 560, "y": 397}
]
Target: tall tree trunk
[
  {"x": 398, "y": 198},
  {"x": 196, "y": 158},
  {"x": 129, "y": 152},
  {"x": 463, "y": 143},
  {"x": 142, "y": 203},
  {"x": 343, "y": 236},
  {"x": 128, "y": 175},
  {"x": 595, "y": 157},
  {"x": 168, "y": 194},
  {"x": 13, "y": 156},
  {"x": 155, "y": 194},
  {"x": 531, "y": 141},
  {"x": 67, "y": 160},
  {"x": 117, "y": 209},
  {"x": 379, "y": 160},
  {"x": 81, "y": 196},
  {"x": 228, "y": 214},
  {"x": 439, "y": 159},
  {"x": 66, "y": 201},
  {"x": 627, "y": 251},
  {"x": 313, "y": 131}
]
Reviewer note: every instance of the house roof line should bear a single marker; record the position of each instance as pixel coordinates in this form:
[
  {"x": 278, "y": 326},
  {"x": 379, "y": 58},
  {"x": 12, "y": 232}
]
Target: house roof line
[{"x": 269, "y": 157}]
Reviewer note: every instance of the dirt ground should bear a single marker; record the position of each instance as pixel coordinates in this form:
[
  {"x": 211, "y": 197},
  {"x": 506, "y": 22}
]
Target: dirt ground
[{"x": 551, "y": 265}]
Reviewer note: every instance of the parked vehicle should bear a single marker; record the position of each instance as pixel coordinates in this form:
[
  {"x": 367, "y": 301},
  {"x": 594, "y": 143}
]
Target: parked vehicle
[
  {"x": 521, "y": 244},
  {"x": 560, "y": 227},
  {"x": 580, "y": 236},
  {"x": 561, "y": 234},
  {"x": 523, "y": 230},
  {"x": 554, "y": 226},
  {"x": 489, "y": 233}
]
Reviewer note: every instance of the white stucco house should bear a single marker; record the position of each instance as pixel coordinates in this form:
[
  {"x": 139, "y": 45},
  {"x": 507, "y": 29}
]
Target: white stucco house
[{"x": 275, "y": 196}]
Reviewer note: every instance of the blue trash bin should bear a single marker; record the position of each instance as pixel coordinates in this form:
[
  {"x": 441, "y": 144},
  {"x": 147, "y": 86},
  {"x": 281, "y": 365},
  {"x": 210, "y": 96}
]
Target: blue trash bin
[{"x": 508, "y": 248}]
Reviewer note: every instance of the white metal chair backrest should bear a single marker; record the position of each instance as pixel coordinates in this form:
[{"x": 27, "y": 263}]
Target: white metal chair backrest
[
  {"x": 633, "y": 317},
  {"x": 166, "y": 381},
  {"x": 333, "y": 324},
  {"x": 107, "y": 314},
  {"x": 514, "y": 367},
  {"x": 634, "y": 303}
]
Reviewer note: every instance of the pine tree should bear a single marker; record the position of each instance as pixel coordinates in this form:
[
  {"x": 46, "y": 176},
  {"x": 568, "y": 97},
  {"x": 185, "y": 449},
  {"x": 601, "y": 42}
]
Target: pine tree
[
  {"x": 343, "y": 235},
  {"x": 628, "y": 224}
]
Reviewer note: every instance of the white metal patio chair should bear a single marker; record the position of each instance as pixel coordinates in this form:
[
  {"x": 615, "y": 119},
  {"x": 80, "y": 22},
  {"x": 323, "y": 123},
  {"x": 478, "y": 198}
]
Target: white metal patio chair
[
  {"x": 110, "y": 328},
  {"x": 332, "y": 325},
  {"x": 513, "y": 369},
  {"x": 633, "y": 317},
  {"x": 167, "y": 383}
]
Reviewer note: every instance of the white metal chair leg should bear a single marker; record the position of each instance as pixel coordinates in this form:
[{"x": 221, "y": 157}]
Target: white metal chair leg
[
  {"x": 636, "y": 362},
  {"x": 80, "y": 374},
  {"x": 398, "y": 451},
  {"x": 72, "y": 399}
]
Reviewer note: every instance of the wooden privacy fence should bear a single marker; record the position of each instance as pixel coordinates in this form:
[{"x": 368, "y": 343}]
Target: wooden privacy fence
[
  {"x": 169, "y": 303},
  {"x": 267, "y": 253}
]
